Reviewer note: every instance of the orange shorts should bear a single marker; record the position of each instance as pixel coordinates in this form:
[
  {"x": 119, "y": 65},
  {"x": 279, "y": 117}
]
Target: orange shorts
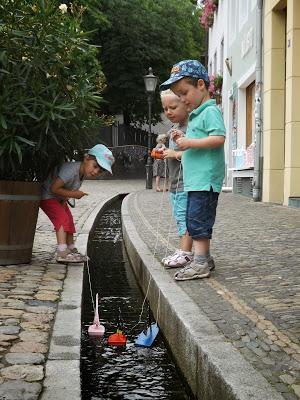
[{"x": 59, "y": 214}]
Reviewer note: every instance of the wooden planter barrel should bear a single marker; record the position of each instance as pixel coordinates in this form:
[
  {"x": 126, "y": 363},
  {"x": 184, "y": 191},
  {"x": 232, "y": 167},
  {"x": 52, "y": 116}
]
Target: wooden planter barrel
[{"x": 19, "y": 206}]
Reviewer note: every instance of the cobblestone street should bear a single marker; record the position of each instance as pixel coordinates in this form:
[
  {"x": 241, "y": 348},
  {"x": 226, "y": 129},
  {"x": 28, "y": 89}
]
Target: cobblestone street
[
  {"x": 253, "y": 296},
  {"x": 29, "y": 296}
]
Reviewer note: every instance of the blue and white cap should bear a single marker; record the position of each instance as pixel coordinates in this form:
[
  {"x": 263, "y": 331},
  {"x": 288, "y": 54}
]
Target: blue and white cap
[
  {"x": 186, "y": 68},
  {"x": 103, "y": 156}
]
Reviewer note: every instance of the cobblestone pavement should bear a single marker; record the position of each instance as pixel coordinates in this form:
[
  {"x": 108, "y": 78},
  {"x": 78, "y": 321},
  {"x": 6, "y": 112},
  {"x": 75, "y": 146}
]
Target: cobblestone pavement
[
  {"x": 253, "y": 297},
  {"x": 28, "y": 299}
]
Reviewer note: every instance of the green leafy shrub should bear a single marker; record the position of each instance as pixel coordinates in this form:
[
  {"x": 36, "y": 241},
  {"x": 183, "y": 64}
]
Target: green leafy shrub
[
  {"x": 50, "y": 87},
  {"x": 218, "y": 81}
]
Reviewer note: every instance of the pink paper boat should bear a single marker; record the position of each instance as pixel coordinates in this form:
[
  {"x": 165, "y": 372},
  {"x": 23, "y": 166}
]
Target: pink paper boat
[{"x": 96, "y": 329}]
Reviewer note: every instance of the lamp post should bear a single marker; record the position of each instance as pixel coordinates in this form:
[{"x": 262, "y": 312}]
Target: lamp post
[{"x": 150, "y": 85}]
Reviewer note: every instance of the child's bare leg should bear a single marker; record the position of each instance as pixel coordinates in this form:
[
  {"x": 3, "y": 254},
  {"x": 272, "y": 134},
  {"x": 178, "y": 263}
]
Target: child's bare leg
[
  {"x": 202, "y": 253},
  {"x": 61, "y": 236},
  {"x": 70, "y": 239},
  {"x": 186, "y": 242},
  {"x": 157, "y": 182},
  {"x": 202, "y": 247}
]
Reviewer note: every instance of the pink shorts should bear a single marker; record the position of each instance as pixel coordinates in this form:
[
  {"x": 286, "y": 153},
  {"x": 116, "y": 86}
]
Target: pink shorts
[{"x": 59, "y": 214}]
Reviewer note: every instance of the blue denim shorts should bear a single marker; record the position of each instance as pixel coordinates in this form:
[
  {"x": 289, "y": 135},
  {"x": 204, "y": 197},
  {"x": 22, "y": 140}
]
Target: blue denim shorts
[
  {"x": 201, "y": 213},
  {"x": 179, "y": 204}
]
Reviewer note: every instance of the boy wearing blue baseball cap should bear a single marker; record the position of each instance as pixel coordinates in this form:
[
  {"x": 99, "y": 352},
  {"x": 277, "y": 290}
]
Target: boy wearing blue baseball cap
[
  {"x": 64, "y": 183},
  {"x": 203, "y": 160}
]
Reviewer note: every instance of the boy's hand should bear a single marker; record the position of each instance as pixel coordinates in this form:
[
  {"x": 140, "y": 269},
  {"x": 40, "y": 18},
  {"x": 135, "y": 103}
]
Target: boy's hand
[
  {"x": 77, "y": 194},
  {"x": 169, "y": 153},
  {"x": 176, "y": 134},
  {"x": 183, "y": 143}
]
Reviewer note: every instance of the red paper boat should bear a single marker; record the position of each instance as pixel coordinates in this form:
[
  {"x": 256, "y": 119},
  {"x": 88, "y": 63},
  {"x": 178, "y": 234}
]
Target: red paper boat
[{"x": 117, "y": 339}]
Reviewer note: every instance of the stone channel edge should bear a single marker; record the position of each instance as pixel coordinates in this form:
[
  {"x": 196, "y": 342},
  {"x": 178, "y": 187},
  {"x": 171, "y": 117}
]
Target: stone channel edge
[
  {"x": 213, "y": 368},
  {"x": 62, "y": 377}
]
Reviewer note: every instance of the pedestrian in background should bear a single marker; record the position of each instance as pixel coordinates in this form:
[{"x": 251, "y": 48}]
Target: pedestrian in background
[
  {"x": 203, "y": 160},
  {"x": 64, "y": 183},
  {"x": 177, "y": 113},
  {"x": 160, "y": 168}
]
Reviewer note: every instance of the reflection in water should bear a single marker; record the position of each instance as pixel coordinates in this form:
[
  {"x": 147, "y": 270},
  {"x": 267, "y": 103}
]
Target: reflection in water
[{"x": 129, "y": 373}]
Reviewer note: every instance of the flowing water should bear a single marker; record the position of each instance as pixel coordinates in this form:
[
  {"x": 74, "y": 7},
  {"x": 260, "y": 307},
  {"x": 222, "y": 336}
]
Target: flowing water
[{"x": 129, "y": 373}]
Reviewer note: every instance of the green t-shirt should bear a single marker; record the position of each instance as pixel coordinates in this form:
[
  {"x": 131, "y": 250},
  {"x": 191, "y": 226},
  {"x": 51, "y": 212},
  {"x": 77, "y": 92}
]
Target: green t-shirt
[{"x": 204, "y": 168}]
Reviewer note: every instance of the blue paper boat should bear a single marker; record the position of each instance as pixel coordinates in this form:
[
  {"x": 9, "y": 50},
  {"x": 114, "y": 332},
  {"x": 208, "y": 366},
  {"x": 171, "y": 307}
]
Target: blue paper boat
[{"x": 147, "y": 338}]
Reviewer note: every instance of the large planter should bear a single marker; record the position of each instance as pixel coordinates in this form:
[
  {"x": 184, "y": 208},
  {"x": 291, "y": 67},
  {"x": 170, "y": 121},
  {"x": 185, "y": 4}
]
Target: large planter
[{"x": 19, "y": 206}]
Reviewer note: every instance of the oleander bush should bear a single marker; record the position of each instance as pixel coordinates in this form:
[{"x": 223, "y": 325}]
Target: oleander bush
[{"x": 50, "y": 87}]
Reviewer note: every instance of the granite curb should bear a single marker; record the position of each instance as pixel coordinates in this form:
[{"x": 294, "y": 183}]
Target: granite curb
[
  {"x": 258, "y": 318},
  {"x": 253, "y": 294},
  {"x": 40, "y": 308},
  {"x": 214, "y": 369},
  {"x": 62, "y": 380}
]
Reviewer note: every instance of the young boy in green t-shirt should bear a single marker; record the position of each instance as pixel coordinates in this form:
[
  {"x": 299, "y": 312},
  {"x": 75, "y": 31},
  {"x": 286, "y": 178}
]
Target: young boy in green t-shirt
[{"x": 202, "y": 160}]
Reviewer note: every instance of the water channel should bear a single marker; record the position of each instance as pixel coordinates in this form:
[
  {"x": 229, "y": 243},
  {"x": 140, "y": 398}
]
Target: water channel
[{"x": 129, "y": 373}]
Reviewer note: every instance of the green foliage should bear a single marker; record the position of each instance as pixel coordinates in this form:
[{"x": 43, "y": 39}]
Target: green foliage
[
  {"x": 218, "y": 81},
  {"x": 139, "y": 34},
  {"x": 50, "y": 85},
  {"x": 92, "y": 17}
]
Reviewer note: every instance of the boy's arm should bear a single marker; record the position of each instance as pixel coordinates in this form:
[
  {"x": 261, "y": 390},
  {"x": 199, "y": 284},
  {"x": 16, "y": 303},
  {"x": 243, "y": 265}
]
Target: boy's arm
[
  {"x": 213, "y": 125},
  {"x": 210, "y": 142},
  {"x": 57, "y": 188},
  {"x": 171, "y": 153}
]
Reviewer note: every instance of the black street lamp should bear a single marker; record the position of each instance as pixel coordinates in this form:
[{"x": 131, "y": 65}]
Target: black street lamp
[{"x": 150, "y": 85}]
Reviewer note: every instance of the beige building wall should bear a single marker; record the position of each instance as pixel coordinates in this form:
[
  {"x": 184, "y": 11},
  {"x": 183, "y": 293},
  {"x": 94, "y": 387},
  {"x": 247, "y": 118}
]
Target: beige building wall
[
  {"x": 281, "y": 136},
  {"x": 292, "y": 120}
]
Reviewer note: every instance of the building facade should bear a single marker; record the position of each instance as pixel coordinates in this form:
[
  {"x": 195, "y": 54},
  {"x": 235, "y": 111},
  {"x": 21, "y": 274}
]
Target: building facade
[
  {"x": 232, "y": 53},
  {"x": 281, "y": 117},
  {"x": 234, "y": 49}
]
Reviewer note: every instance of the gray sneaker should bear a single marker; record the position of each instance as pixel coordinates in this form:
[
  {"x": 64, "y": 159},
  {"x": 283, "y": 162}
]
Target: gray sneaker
[{"x": 193, "y": 271}]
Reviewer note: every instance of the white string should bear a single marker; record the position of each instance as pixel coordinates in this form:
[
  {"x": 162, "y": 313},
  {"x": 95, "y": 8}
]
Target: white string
[
  {"x": 154, "y": 251},
  {"x": 168, "y": 238},
  {"x": 170, "y": 224},
  {"x": 90, "y": 284},
  {"x": 153, "y": 255}
]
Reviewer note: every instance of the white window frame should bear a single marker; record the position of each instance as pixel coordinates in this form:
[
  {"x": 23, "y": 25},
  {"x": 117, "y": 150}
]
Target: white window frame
[{"x": 242, "y": 84}]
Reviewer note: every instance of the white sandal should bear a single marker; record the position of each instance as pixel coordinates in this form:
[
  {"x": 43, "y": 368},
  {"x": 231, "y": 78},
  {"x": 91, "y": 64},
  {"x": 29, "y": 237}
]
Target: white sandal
[
  {"x": 67, "y": 256},
  {"x": 179, "y": 259}
]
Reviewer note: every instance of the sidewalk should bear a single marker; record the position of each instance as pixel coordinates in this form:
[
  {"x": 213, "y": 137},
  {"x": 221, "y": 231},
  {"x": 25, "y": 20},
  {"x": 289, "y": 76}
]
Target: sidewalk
[
  {"x": 247, "y": 315},
  {"x": 29, "y": 294},
  {"x": 253, "y": 297}
]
